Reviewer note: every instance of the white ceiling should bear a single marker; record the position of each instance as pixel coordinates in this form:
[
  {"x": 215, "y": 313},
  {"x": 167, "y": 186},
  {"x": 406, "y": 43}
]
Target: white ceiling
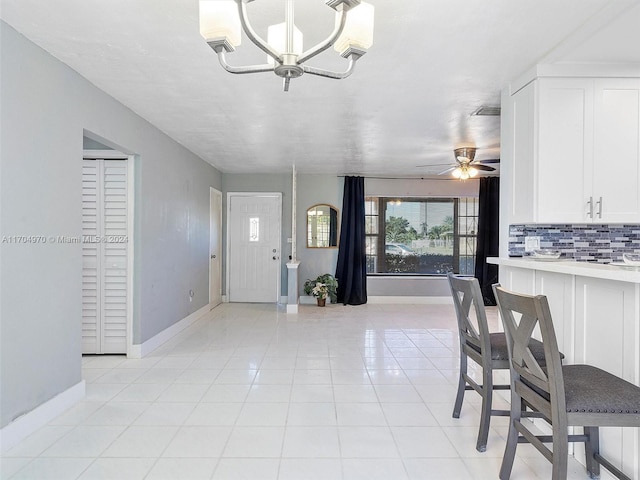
[{"x": 407, "y": 104}]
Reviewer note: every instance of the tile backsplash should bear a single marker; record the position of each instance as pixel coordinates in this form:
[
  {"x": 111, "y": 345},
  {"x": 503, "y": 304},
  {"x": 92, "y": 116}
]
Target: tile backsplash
[{"x": 584, "y": 243}]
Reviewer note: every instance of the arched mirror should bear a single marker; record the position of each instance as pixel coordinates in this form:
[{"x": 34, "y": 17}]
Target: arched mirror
[{"x": 322, "y": 226}]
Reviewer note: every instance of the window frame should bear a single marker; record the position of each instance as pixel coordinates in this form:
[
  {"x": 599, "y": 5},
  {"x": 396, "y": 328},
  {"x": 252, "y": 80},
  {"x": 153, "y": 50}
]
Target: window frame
[{"x": 379, "y": 261}]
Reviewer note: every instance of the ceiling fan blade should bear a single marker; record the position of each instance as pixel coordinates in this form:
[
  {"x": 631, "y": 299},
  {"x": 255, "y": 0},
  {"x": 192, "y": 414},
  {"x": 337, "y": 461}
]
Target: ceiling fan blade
[
  {"x": 489, "y": 160},
  {"x": 451, "y": 169},
  {"x": 434, "y": 165},
  {"x": 479, "y": 166}
]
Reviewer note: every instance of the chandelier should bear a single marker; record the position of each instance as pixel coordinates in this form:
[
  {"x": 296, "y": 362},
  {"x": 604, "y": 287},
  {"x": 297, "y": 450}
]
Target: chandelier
[{"x": 222, "y": 21}]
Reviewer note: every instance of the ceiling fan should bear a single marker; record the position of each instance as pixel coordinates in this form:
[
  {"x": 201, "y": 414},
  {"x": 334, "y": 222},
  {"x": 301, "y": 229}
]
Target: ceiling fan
[{"x": 465, "y": 166}]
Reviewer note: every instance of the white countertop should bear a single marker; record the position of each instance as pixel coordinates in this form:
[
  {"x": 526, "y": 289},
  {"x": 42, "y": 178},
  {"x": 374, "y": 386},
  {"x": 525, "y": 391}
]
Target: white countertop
[{"x": 571, "y": 267}]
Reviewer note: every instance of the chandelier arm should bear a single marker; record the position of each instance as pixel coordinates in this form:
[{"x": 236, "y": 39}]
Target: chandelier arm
[
  {"x": 266, "y": 67},
  {"x": 329, "y": 74},
  {"x": 253, "y": 36},
  {"x": 328, "y": 42}
]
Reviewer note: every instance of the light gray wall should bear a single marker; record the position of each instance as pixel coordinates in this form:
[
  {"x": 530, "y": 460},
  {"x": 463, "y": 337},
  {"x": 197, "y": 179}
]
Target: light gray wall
[
  {"x": 312, "y": 190},
  {"x": 90, "y": 144},
  {"x": 46, "y": 107},
  {"x": 389, "y": 286}
]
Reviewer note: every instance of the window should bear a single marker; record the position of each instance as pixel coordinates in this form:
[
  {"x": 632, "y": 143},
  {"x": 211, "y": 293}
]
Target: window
[
  {"x": 254, "y": 229},
  {"x": 467, "y": 231},
  {"x": 421, "y": 235}
]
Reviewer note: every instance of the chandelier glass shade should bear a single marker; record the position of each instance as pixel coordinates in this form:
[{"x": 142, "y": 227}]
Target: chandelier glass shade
[{"x": 222, "y": 23}]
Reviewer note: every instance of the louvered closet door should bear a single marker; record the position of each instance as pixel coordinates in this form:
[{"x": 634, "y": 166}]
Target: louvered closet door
[{"x": 104, "y": 249}]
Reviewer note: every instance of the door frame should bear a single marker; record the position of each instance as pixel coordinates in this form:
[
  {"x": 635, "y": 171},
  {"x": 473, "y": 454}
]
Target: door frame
[
  {"x": 130, "y": 159},
  {"x": 215, "y": 192},
  {"x": 228, "y": 235}
]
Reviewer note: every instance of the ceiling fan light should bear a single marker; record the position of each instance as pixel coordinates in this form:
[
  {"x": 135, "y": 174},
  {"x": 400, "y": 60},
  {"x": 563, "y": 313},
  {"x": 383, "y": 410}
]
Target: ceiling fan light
[
  {"x": 457, "y": 172},
  {"x": 277, "y": 38},
  {"x": 220, "y": 19},
  {"x": 358, "y": 29},
  {"x": 473, "y": 172}
]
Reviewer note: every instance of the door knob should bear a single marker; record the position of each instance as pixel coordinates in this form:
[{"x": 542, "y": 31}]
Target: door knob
[
  {"x": 275, "y": 258},
  {"x": 213, "y": 256}
]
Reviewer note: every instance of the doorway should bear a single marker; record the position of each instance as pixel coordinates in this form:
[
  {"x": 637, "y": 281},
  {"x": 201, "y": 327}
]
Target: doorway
[
  {"x": 253, "y": 247},
  {"x": 215, "y": 247}
]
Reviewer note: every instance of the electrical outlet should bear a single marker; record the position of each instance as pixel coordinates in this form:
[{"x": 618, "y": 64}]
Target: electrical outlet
[{"x": 531, "y": 243}]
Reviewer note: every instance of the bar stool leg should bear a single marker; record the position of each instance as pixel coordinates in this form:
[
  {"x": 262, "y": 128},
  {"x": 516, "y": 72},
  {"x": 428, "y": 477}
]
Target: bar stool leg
[
  {"x": 592, "y": 447},
  {"x": 560, "y": 452},
  {"x": 512, "y": 437},
  {"x": 485, "y": 417},
  {"x": 461, "y": 385}
]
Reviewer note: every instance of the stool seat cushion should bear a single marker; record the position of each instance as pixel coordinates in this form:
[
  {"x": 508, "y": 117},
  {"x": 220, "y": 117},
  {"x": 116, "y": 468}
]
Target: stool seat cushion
[
  {"x": 499, "y": 350},
  {"x": 590, "y": 389}
]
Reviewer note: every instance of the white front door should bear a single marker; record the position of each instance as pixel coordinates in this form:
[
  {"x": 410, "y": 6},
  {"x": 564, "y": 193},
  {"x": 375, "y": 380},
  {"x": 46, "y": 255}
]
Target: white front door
[
  {"x": 215, "y": 241},
  {"x": 254, "y": 247}
]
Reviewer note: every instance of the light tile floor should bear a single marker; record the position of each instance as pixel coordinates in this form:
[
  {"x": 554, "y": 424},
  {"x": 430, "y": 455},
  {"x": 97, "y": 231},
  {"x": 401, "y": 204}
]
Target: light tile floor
[{"x": 249, "y": 392}]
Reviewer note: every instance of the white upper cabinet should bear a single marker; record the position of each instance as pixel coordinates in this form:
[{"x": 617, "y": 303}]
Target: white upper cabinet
[
  {"x": 576, "y": 151},
  {"x": 616, "y": 150},
  {"x": 565, "y": 157},
  {"x": 521, "y": 206}
]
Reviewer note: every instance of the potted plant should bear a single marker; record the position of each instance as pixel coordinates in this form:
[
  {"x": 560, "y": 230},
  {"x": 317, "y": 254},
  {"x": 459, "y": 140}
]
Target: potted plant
[{"x": 323, "y": 286}]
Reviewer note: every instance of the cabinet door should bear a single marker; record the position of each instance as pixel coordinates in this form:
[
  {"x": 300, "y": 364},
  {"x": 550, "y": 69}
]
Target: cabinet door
[
  {"x": 521, "y": 208},
  {"x": 521, "y": 280},
  {"x": 606, "y": 337},
  {"x": 565, "y": 131},
  {"x": 616, "y": 178},
  {"x": 559, "y": 290},
  {"x": 515, "y": 279}
]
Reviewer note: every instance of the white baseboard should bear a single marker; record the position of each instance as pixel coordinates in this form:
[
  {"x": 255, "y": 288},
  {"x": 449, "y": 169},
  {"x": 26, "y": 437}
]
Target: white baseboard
[
  {"x": 384, "y": 299},
  {"x": 410, "y": 300},
  {"x": 292, "y": 308},
  {"x": 143, "y": 349},
  {"x": 225, "y": 299},
  {"x": 28, "y": 423}
]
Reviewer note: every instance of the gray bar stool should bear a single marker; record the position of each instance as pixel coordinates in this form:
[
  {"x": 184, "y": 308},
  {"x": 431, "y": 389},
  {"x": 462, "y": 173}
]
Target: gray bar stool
[{"x": 489, "y": 350}]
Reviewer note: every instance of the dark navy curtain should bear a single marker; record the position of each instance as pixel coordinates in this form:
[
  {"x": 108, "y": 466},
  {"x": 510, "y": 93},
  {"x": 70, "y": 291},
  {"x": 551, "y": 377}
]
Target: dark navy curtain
[
  {"x": 488, "y": 235},
  {"x": 351, "y": 270}
]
